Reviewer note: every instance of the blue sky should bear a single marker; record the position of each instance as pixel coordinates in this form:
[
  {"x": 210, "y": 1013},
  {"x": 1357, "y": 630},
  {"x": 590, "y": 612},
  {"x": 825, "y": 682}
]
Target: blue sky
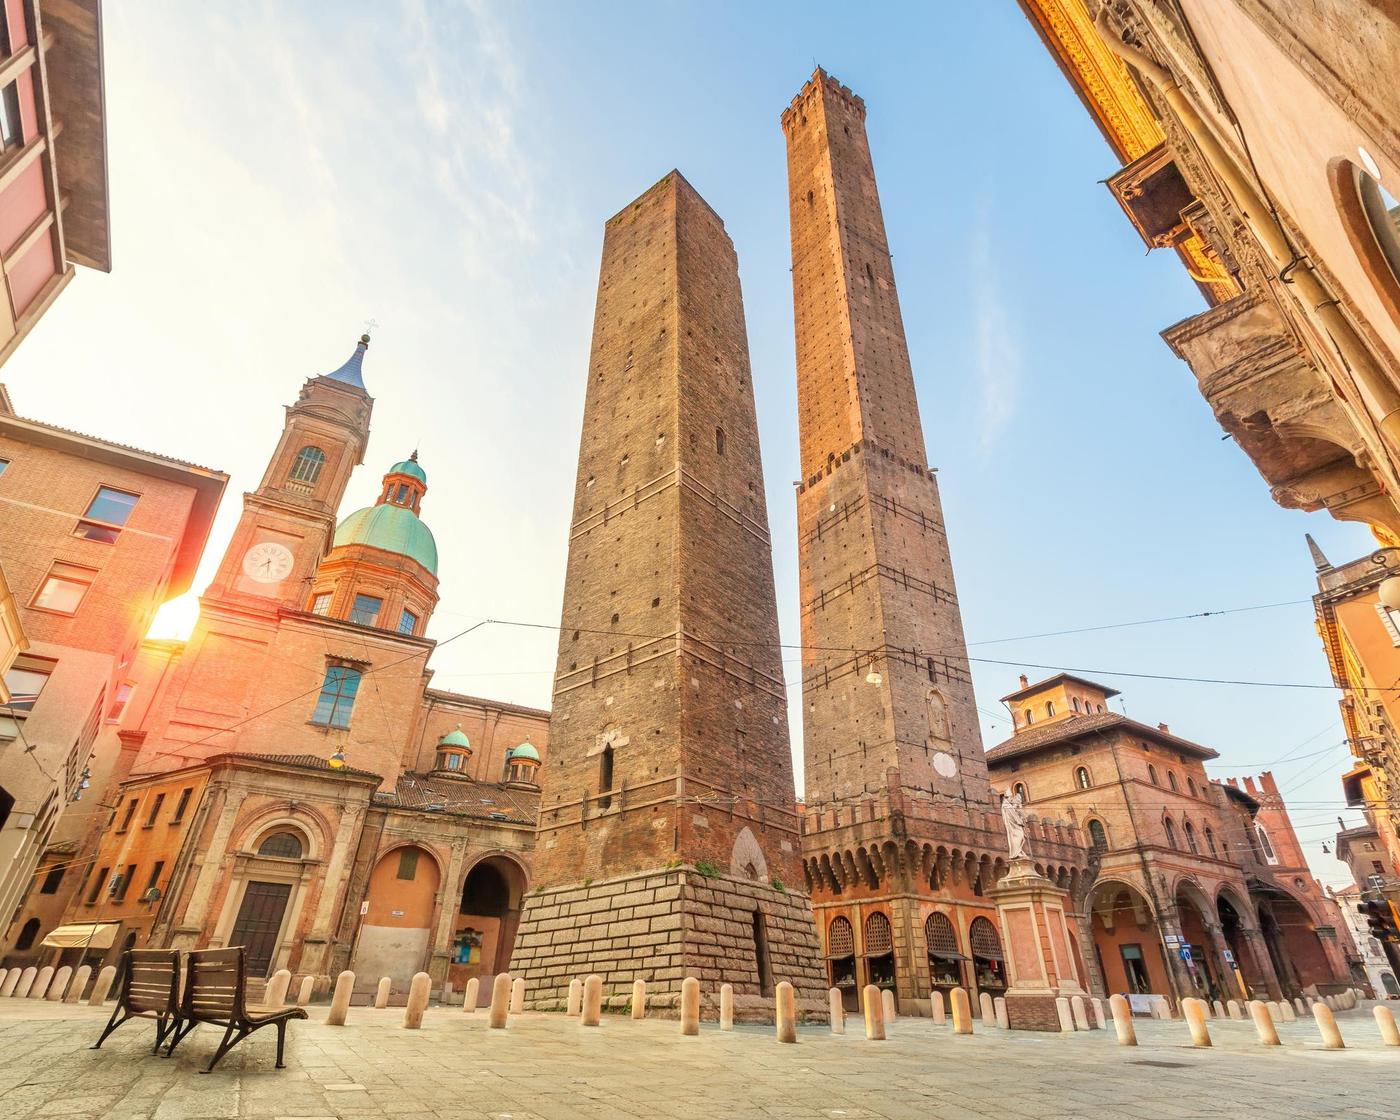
[{"x": 281, "y": 173}]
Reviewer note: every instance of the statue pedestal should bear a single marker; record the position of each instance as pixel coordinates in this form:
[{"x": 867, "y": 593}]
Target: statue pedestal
[{"x": 1039, "y": 961}]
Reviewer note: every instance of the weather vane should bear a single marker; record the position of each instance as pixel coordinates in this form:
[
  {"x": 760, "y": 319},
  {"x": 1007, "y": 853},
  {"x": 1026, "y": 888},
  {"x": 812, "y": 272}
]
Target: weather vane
[{"x": 370, "y": 324}]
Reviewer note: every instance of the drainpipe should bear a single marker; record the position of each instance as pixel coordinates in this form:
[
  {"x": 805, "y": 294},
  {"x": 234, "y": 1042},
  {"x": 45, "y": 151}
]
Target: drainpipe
[{"x": 1314, "y": 294}]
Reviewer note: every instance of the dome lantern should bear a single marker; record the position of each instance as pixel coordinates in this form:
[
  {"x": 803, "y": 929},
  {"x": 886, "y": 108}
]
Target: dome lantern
[
  {"x": 454, "y": 750},
  {"x": 522, "y": 763}
]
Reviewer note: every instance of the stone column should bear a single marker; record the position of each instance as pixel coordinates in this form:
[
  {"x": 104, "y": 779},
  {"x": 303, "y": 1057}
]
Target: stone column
[
  {"x": 1263, "y": 963},
  {"x": 1035, "y": 940}
]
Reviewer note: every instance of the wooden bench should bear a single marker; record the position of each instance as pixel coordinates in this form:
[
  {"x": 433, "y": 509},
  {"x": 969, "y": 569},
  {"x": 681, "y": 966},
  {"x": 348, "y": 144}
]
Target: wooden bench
[
  {"x": 214, "y": 993},
  {"x": 150, "y": 989}
]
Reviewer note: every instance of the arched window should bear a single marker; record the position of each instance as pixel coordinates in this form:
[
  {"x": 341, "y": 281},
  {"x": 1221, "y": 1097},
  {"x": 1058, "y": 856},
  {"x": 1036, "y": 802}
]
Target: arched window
[
  {"x": 1097, "y": 836},
  {"x": 605, "y": 777},
  {"x": 878, "y": 937},
  {"x": 1030, "y": 717},
  {"x": 306, "y": 467},
  {"x": 1019, "y": 789},
  {"x": 719, "y": 441},
  {"x": 987, "y": 961},
  {"x": 840, "y": 938},
  {"x": 1191, "y": 837},
  {"x": 939, "y": 934},
  {"x": 1191, "y": 785},
  {"x": 1171, "y": 831},
  {"x": 1265, "y": 845},
  {"x": 1152, "y": 775},
  {"x": 1210, "y": 843},
  {"x": 1171, "y": 780},
  {"x": 1081, "y": 778},
  {"x": 1050, "y": 709},
  {"x": 284, "y": 845},
  {"x": 1075, "y": 701},
  {"x": 27, "y": 935}
]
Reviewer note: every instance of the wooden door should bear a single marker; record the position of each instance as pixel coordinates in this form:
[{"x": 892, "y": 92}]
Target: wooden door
[{"x": 259, "y": 920}]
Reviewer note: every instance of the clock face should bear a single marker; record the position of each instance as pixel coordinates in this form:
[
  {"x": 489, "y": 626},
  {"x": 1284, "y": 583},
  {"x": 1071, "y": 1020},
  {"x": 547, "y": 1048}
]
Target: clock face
[{"x": 268, "y": 562}]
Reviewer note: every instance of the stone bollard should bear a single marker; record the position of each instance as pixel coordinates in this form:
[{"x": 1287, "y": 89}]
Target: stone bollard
[
  {"x": 1331, "y": 1002},
  {"x": 592, "y": 1006},
  {"x": 445, "y": 997},
  {"x": 1217, "y": 1009},
  {"x": 517, "y": 995},
  {"x": 1122, "y": 1020},
  {"x": 785, "y": 1008},
  {"x": 940, "y": 1013},
  {"x": 80, "y": 979},
  {"x": 11, "y": 981},
  {"x": 836, "y": 1011},
  {"x": 1327, "y": 1028},
  {"x": 1233, "y": 1007},
  {"x": 419, "y": 990},
  {"x": 105, "y": 979},
  {"x": 962, "y": 1012},
  {"x": 987, "y": 1008},
  {"x": 381, "y": 993},
  {"x": 1299, "y": 1006},
  {"x": 500, "y": 1002},
  {"x": 26, "y": 982},
  {"x": 3, "y": 973},
  {"x": 42, "y": 982},
  {"x": 1385, "y": 1023},
  {"x": 1080, "y": 1010},
  {"x": 1063, "y": 1013},
  {"x": 1289, "y": 1015},
  {"x": 472, "y": 994},
  {"x": 277, "y": 988},
  {"x": 999, "y": 1010},
  {"x": 690, "y": 1005},
  {"x": 639, "y": 999},
  {"x": 575, "y": 1004},
  {"x": 1263, "y": 1023},
  {"x": 1161, "y": 1009},
  {"x": 308, "y": 986},
  {"x": 1275, "y": 1010},
  {"x": 61, "y": 979},
  {"x": 873, "y": 1007},
  {"x": 340, "y": 999},
  {"x": 726, "y": 1007},
  {"x": 888, "y": 1008},
  {"x": 1099, "y": 1020},
  {"x": 1194, "y": 1011}
]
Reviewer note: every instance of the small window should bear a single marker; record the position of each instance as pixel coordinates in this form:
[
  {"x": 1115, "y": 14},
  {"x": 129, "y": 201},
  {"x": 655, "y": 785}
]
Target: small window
[
  {"x": 1152, "y": 775},
  {"x": 152, "y": 816},
  {"x": 408, "y": 863},
  {"x": 154, "y": 880},
  {"x": 408, "y": 622},
  {"x": 1097, "y": 836},
  {"x": 105, "y": 515},
  {"x": 181, "y": 806},
  {"x": 1074, "y": 700},
  {"x": 1081, "y": 778},
  {"x": 11, "y": 127},
  {"x": 306, "y": 467},
  {"x": 30, "y": 932},
  {"x": 52, "y": 880},
  {"x": 1019, "y": 789},
  {"x": 1050, "y": 709},
  {"x": 3, "y": 464},
  {"x": 1190, "y": 831},
  {"x": 123, "y": 883},
  {"x": 365, "y": 612},
  {"x": 283, "y": 845},
  {"x": 321, "y": 603},
  {"x": 1191, "y": 785},
  {"x": 337, "y": 697},
  {"x": 1210, "y": 843},
  {"x": 605, "y": 777},
  {"x": 1264, "y": 843},
  {"x": 25, "y": 683},
  {"x": 1030, "y": 717},
  {"x": 1171, "y": 832},
  {"x": 719, "y": 441},
  {"x": 130, "y": 812},
  {"x": 64, "y": 587},
  {"x": 120, "y": 699},
  {"x": 1171, "y": 780},
  {"x": 97, "y": 885}
]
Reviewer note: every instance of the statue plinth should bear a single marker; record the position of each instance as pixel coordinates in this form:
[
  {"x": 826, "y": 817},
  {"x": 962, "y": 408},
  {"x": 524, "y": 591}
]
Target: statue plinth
[{"x": 1040, "y": 964}]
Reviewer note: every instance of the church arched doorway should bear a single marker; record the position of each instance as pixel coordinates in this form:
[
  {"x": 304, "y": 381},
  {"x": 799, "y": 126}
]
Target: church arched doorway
[
  {"x": 396, "y": 930},
  {"x": 488, "y": 914}
]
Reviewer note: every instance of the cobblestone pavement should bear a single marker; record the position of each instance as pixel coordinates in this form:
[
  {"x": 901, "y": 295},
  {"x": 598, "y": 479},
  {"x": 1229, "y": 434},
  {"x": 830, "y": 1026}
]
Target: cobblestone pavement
[{"x": 546, "y": 1067}]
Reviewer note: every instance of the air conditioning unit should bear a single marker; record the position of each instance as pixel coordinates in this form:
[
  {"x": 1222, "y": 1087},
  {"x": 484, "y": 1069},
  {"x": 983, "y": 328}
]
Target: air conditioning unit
[{"x": 152, "y": 895}]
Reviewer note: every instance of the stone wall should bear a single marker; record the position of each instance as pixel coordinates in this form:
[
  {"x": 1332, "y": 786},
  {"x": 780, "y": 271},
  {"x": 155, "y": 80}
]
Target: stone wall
[{"x": 662, "y": 927}]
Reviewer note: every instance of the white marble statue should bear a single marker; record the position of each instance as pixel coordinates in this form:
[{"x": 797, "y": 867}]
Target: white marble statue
[{"x": 1014, "y": 818}]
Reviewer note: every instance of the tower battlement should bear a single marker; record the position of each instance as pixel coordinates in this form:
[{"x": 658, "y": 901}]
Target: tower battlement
[{"x": 819, "y": 81}]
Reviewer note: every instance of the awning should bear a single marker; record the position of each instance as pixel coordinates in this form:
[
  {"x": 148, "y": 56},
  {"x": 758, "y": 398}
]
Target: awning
[
  {"x": 988, "y": 954},
  {"x": 88, "y": 935},
  {"x": 946, "y": 955}
]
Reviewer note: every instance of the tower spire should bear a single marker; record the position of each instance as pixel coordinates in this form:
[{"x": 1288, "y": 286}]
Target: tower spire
[
  {"x": 1320, "y": 562},
  {"x": 351, "y": 372}
]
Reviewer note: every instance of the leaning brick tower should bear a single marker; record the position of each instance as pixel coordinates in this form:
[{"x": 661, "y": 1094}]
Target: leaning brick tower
[{"x": 668, "y": 836}]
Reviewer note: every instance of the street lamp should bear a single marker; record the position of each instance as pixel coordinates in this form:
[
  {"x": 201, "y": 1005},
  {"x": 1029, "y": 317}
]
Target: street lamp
[{"x": 337, "y": 760}]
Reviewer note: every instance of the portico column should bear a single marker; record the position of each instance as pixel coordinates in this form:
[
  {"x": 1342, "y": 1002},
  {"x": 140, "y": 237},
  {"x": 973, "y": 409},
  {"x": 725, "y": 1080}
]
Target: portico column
[
  {"x": 1263, "y": 963},
  {"x": 1226, "y": 969},
  {"x": 1095, "y": 981}
]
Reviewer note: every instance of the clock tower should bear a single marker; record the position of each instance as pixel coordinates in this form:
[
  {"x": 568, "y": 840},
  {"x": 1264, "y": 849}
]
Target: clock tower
[{"x": 289, "y": 520}]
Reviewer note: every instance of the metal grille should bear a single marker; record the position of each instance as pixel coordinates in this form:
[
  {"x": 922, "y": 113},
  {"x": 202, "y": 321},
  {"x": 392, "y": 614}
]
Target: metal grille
[
  {"x": 840, "y": 938},
  {"x": 938, "y": 930},
  {"x": 985, "y": 942},
  {"x": 878, "y": 938}
]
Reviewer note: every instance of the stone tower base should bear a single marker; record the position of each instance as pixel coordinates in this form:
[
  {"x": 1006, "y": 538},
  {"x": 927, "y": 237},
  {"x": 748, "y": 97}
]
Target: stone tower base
[{"x": 661, "y": 927}]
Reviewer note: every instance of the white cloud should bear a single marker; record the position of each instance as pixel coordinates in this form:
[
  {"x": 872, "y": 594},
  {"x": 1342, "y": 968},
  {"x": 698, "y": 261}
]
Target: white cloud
[{"x": 998, "y": 349}]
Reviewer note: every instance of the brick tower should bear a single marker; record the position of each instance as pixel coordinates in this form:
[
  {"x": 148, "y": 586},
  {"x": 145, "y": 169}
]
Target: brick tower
[
  {"x": 900, "y": 823},
  {"x": 668, "y": 837}
]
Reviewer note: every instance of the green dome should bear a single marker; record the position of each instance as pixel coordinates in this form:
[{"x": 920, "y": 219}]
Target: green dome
[
  {"x": 455, "y": 739},
  {"x": 525, "y": 750},
  {"x": 411, "y": 468},
  {"x": 392, "y": 528}
]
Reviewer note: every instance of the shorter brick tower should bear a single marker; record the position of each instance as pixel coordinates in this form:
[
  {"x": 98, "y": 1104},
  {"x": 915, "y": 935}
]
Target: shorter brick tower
[{"x": 668, "y": 833}]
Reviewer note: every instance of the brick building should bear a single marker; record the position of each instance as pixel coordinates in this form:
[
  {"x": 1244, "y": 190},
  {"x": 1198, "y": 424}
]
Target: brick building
[
  {"x": 1201, "y": 886},
  {"x": 94, "y": 537},
  {"x": 288, "y": 779},
  {"x": 668, "y": 829},
  {"x": 901, "y": 837}
]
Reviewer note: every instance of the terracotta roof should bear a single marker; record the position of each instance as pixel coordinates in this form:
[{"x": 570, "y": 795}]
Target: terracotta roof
[
  {"x": 301, "y": 761},
  {"x": 1040, "y": 686},
  {"x": 1074, "y": 726},
  {"x": 481, "y": 702},
  {"x": 113, "y": 444},
  {"x": 461, "y": 797}
]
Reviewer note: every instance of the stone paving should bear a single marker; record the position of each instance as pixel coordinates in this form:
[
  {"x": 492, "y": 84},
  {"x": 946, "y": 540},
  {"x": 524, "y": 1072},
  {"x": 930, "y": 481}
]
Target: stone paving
[{"x": 547, "y": 1067}]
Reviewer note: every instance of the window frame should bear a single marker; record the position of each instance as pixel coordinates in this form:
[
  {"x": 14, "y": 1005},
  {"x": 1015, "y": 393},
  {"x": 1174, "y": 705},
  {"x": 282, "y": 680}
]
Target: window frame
[
  {"x": 104, "y": 530},
  {"x": 320, "y": 604},
  {"x": 355, "y": 609},
  {"x": 52, "y": 576},
  {"x": 318, "y": 465},
  {"x": 337, "y": 697},
  {"x": 405, "y": 613}
]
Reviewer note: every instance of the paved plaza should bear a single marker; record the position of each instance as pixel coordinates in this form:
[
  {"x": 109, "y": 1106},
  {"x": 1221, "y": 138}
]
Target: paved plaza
[{"x": 551, "y": 1068}]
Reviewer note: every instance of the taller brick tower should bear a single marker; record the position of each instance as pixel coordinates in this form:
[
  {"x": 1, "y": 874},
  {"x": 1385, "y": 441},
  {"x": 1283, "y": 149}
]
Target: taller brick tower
[
  {"x": 901, "y": 832},
  {"x": 668, "y": 835}
]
